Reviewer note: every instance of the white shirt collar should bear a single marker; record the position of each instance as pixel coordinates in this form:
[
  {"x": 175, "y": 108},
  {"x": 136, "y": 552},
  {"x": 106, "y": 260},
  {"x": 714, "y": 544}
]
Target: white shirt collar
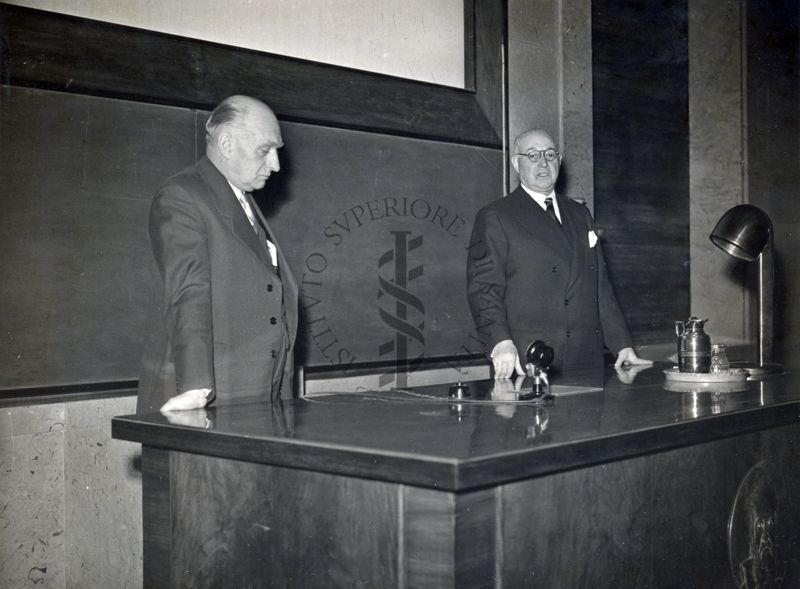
[
  {"x": 539, "y": 198},
  {"x": 245, "y": 205},
  {"x": 240, "y": 196},
  {"x": 239, "y": 193}
]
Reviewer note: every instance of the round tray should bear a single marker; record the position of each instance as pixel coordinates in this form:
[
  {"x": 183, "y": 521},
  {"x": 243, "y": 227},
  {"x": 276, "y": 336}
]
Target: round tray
[{"x": 718, "y": 382}]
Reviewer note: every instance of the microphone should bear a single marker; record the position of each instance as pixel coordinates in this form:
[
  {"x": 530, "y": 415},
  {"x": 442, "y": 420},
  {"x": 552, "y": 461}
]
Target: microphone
[
  {"x": 539, "y": 354},
  {"x": 539, "y": 357}
]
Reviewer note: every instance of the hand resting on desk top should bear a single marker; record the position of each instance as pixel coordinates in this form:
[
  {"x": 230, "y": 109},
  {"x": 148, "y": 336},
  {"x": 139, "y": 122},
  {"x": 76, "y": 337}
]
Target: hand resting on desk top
[
  {"x": 627, "y": 356},
  {"x": 192, "y": 399},
  {"x": 626, "y": 374},
  {"x": 506, "y": 360}
]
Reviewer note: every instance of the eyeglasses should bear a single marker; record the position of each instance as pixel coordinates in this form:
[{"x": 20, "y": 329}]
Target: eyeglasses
[{"x": 536, "y": 154}]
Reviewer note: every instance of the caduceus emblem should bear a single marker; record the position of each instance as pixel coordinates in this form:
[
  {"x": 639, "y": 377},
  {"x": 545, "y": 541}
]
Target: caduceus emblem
[{"x": 406, "y": 305}]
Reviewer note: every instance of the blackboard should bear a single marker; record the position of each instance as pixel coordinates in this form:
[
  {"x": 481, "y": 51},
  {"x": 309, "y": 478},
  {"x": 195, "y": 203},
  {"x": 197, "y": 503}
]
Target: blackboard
[{"x": 77, "y": 174}]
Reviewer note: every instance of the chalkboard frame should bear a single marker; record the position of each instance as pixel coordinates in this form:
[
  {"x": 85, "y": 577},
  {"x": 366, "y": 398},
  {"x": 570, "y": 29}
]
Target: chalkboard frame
[{"x": 52, "y": 51}]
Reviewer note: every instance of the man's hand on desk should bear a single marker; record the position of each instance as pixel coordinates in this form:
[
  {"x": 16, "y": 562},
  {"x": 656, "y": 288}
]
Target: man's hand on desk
[
  {"x": 627, "y": 374},
  {"x": 628, "y": 357},
  {"x": 506, "y": 360},
  {"x": 192, "y": 399}
]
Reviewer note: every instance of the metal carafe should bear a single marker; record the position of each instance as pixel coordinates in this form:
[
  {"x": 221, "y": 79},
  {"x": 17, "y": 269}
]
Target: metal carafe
[{"x": 694, "y": 346}]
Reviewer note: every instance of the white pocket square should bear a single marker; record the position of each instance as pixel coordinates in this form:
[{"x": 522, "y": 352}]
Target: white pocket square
[{"x": 592, "y": 239}]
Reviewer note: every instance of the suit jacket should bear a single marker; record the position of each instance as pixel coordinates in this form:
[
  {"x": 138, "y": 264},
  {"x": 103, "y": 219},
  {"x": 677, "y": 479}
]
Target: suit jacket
[
  {"x": 529, "y": 279},
  {"x": 228, "y": 320}
]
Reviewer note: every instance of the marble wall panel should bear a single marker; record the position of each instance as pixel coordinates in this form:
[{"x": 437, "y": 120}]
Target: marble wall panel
[
  {"x": 36, "y": 419},
  {"x": 32, "y": 510},
  {"x": 533, "y": 71},
  {"x": 70, "y": 497},
  {"x": 577, "y": 119},
  {"x": 6, "y": 430},
  {"x": 550, "y": 84},
  {"x": 97, "y": 412},
  {"x": 103, "y": 511},
  {"x": 716, "y": 162}
]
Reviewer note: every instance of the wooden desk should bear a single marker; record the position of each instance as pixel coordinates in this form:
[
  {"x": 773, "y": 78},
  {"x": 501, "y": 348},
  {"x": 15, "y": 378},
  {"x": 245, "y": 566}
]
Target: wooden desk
[{"x": 629, "y": 486}]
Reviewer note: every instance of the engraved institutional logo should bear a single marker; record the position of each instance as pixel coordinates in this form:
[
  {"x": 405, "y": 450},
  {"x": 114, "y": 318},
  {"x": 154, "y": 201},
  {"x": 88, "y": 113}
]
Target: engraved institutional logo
[{"x": 406, "y": 317}]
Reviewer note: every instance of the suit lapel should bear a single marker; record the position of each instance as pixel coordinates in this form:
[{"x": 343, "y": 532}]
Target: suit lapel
[
  {"x": 230, "y": 209},
  {"x": 539, "y": 227},
  {"x": 574, "y": 230}
]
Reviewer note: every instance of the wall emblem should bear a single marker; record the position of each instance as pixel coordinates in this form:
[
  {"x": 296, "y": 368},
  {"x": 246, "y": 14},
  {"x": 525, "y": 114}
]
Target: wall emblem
[
  {"x": 399, "y": 309},
  {"x": 755, "y": 543}
]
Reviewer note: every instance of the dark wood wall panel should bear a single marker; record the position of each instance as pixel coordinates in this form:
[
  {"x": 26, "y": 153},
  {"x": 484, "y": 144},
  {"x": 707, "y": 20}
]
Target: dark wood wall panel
[
  {"x": 57, "y": 52},
  {"x": 773, "y": 152},
  {"x": 641, "y": 141}
]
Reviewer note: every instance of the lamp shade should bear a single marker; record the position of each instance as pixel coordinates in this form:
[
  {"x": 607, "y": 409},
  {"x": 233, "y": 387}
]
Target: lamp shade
[{"x": 743, "y": 232}]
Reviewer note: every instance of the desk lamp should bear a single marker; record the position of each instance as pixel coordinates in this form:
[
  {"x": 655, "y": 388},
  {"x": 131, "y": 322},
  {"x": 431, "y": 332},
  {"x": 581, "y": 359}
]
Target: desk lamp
[{"x": 745, "y": 232}]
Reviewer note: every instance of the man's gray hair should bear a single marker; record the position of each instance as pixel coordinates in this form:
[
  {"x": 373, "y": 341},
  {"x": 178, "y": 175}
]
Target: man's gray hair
[{"x": 230, "y": 111}]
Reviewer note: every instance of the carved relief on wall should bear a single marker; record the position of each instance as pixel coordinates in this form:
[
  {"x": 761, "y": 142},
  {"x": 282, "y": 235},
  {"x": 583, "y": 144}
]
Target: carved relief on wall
[{"x": 760, "y": 531}]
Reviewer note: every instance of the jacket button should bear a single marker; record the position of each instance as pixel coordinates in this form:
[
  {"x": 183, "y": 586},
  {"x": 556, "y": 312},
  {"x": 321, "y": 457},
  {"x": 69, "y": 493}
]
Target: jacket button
[
  {"x": 569, "y": 333},
  {"x": 269, "y": 288},
  {"x": 592, "y": 266},
  {"x": 272, "y": 354},
  {"x": 597, "y": 331},
  {"x": 272, "y": 320},
  {"x": 566, "y": 302},
  {"x": 554, "y": 269}
]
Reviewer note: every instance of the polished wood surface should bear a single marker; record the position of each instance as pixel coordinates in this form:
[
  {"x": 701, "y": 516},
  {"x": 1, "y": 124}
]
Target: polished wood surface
[
  {"x": 660, "y": 520},
  {"x": 599, "y": 513},
  {"x": 629, "y": 486},
  {"x": 449, "y": 540},
  {"x": 421, "y": 438},
  {"x": 342, "y": 530},
  {"x": 156, "y": 516}
]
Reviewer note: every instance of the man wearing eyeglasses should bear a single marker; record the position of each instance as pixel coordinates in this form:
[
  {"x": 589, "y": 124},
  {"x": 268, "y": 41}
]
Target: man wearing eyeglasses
[{"x": 535, "y": 271}]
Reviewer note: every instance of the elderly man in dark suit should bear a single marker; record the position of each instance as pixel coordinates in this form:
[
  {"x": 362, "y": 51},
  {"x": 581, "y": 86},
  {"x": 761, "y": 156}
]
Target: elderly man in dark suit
[
  {"x": 229, "y": 301},
  {"x": 535, "y": 271}
]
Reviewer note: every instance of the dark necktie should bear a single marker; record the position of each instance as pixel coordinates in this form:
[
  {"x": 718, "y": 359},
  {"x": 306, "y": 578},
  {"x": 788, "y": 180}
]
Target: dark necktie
[
  {"x": 263, "y": 234},
  {"x": 551, "y": 210}
]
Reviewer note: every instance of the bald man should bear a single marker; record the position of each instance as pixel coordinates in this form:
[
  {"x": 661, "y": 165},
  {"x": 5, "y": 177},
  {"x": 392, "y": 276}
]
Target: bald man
[
  {"x": 535, "y": 271},
  {"x": 228, "y": 300}
]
